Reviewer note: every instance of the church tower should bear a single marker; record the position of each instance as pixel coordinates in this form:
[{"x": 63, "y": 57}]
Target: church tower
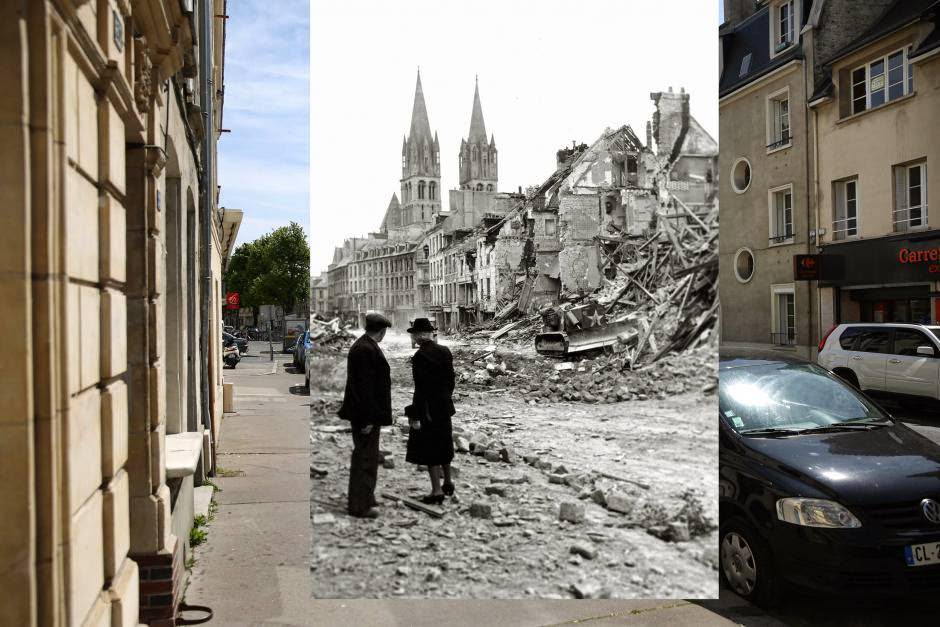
[
  {"x": 478, "y": 167},
  {"x": 420, "y": 167}
]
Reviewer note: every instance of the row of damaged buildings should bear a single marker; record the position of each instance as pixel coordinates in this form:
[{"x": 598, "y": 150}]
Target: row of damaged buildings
[
  {"x": 113, "y": 248},
  {"x": 494, "y": 253}
]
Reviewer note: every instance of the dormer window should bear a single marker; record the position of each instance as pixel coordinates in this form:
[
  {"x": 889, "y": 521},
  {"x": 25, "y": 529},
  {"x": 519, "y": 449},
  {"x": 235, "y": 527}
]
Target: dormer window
[{"x": 784, "y": 23}]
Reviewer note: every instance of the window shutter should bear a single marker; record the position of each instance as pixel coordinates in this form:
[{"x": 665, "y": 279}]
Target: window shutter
[{"x": 900, "y": 187}]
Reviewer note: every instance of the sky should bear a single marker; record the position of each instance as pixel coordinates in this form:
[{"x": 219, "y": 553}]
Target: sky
[
  {"x": 263, "y": 161},
  {"x": 550, "y": 72}
]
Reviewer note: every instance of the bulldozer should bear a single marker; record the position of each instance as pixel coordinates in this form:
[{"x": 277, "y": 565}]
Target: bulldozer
[{"x": 581, "y": 328}]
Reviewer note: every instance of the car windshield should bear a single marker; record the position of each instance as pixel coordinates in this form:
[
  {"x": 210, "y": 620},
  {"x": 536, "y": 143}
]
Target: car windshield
[
  {"x": 790, "y": 397},
  {"x": 935, "y": 331}
]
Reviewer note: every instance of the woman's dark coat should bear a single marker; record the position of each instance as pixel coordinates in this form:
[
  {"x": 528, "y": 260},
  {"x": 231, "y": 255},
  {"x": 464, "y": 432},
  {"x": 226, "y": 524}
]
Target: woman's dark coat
[{"x": 433, "y": 370}]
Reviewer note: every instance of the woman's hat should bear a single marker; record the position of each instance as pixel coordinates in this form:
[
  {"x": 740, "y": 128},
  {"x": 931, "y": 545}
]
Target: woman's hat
[{"x": 421, "y": 325}]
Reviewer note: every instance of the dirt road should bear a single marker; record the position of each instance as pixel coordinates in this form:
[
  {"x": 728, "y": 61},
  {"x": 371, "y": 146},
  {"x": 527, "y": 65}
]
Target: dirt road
[{"x": 563, "y": 453}]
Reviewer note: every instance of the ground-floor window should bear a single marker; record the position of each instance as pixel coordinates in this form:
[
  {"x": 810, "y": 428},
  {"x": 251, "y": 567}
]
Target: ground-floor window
[{"x": 783, "y": 318}]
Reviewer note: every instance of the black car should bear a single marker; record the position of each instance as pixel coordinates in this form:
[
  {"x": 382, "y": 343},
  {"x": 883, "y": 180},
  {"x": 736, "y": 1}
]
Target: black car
[{"x": 819, "y": 487}]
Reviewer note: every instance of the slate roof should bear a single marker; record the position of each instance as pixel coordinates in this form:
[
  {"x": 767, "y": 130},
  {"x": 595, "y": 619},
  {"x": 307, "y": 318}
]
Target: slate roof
[
  {"x": 897, "y": 16},
  {"x": 746, "y": 48}
]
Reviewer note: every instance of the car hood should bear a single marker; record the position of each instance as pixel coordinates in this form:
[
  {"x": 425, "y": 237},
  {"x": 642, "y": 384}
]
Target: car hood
[{"x": 887, "y": 465}]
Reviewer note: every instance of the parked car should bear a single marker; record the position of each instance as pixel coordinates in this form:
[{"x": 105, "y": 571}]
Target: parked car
[
  {"x": 896, "y": 358},
  {"x": 820, "y": 488},
  {"x": 300, "y": 350},
  {"x": 308, "y": 359}
]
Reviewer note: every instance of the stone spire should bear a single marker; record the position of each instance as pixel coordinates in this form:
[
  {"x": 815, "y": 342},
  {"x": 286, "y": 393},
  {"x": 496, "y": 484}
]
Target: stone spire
[
  {"x": 477, "y": 157},
  {"x": 420, "y": 126},
  {"x": 477, "y": 126},
  {"x": 392, "y": 217}
]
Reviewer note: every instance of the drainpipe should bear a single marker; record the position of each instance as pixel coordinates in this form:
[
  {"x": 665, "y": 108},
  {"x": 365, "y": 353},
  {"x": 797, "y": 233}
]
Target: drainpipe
[{"x": 205, "y": 217}]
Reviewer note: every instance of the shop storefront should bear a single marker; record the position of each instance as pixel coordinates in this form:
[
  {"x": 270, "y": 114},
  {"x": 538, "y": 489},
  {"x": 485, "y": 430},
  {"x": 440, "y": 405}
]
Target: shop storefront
[{"x": 889, "y": 279}]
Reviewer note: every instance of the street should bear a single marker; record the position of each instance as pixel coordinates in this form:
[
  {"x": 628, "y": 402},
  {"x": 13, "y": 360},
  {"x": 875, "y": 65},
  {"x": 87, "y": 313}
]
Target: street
[{"x": 502, "y": 537}]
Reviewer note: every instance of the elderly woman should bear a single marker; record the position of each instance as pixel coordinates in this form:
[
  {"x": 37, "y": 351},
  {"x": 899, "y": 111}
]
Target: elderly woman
[{"x": 430, "y": 439}]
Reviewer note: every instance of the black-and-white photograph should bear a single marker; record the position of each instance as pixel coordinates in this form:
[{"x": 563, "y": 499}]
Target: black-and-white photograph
[{"x": 513, "y": 344}]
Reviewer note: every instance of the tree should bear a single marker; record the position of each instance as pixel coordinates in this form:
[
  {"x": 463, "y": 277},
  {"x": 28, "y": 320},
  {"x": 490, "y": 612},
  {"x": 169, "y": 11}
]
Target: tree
[{"x": 272, "y": 270}]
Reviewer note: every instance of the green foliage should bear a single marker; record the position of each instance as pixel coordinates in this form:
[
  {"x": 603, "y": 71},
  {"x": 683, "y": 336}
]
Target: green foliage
[
  {"x": 272, "y": 270},
  {"x": 196, "y": 536}
]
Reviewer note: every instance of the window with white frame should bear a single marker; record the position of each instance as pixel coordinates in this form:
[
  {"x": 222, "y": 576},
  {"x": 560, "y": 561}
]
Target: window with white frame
[
  {"x": 784, "y": 25},
  {"x": 783, "y": 315},
  {"x": 845, "y": 209},
  {"x": 778, "y": 119},
  {"x": 781, "y": 214},
  {"x": 910, "y": 196},
  {"x": 882, "y": 80}
]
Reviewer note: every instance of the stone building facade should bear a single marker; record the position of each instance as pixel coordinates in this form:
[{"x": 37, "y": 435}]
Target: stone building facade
[
  {"x": 111, "y": 266},
  {"x": 799, "y": 172}
]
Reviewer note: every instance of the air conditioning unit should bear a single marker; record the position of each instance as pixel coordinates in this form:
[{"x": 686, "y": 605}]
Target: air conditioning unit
[
  {"x": 190, "y": 86},
  {"x": 187, "y": 6}
]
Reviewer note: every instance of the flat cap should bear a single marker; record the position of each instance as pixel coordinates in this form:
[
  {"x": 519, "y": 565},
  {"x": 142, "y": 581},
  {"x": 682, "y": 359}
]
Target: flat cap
[{"x": 376, "y": 322}]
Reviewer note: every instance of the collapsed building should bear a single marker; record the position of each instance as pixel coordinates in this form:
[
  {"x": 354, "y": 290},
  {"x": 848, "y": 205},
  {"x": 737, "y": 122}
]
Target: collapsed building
[
  {"x": 562, "y": 237},
  {"x": 493, "y": 254}
]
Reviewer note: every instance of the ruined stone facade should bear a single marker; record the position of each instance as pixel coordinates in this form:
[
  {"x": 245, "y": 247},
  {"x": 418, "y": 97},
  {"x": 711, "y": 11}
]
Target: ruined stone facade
[
  {"x": 104, "y": 271},
  {"x": 492, "y": 251}
]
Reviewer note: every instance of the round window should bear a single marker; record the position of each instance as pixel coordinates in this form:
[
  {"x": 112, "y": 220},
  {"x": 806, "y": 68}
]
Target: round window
[
  {"x": 744, "y": 265},
  {"x": 741, "y": 175}
]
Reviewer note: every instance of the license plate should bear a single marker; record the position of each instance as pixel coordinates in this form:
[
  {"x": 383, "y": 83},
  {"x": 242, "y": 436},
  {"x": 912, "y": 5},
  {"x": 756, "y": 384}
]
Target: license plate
[{"x": 922, "y": 554}]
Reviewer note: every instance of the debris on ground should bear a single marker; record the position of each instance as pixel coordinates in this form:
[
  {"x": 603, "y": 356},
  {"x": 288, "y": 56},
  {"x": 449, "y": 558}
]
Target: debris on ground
[{"x": 332, "y": 336}]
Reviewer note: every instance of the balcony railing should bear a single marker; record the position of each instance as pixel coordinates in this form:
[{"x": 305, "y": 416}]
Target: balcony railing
[
  {"x": 910, "y": 218},
  {"x": 846, "y": 227},
  {"x": 779, "y": 239},
  {"x": 783, "y": 141}
]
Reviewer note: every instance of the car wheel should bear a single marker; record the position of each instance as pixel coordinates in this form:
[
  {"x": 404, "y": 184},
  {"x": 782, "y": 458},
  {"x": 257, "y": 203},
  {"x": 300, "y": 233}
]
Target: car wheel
[
  {"x": 747, "y": 567},
  {"x": 848, "y": 376}
]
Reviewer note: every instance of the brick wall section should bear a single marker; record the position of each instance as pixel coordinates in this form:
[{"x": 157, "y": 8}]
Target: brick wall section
[{"x": 161, "y": 585}]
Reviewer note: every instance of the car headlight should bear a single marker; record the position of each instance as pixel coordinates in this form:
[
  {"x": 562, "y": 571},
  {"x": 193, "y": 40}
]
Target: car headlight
[{"x": 816, "y": 513}]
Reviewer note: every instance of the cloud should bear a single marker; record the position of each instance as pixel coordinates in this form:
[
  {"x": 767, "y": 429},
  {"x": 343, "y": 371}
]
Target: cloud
[{"x": 264, "y": 161}]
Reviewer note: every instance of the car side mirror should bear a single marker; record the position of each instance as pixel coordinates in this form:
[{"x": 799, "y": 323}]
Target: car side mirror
[{"x": 927, "y": 351}]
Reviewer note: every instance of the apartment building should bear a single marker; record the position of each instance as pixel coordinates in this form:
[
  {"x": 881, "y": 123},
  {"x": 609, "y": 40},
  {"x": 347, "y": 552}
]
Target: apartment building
[
  {"x": 876, "y": 107},
  {"x": 773, "y": 58}
]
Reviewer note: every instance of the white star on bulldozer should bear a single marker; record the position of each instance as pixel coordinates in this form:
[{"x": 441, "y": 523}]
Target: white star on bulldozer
[{"x": 597, "y": 317}]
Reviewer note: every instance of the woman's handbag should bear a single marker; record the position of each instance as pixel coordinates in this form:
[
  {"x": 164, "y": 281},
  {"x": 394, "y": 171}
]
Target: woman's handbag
[{"x": 416, "y": 417}]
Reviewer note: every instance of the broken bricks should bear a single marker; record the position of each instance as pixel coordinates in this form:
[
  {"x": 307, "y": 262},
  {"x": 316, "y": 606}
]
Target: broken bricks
[
  {"x": 585, "y": 550},
  {"x": 481, "y": 510},
  {"x": 572, "y": 512}
]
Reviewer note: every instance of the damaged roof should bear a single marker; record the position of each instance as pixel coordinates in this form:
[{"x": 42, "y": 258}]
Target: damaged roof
[{"x": 698, "y": 141}]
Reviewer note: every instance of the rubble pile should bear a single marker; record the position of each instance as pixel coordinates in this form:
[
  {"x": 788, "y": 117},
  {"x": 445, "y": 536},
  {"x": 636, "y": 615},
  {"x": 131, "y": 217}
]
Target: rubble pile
[
  {"x": 598, "y": 379},
  {"x": 661, "y": 299},
  {"x": 668, "y": 285},
  {"x": 331, "y": 336}
]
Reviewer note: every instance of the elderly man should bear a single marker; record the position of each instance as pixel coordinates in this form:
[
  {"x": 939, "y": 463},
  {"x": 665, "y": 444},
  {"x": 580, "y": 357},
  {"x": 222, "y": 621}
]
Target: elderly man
[{"x": 367, "y": 404}]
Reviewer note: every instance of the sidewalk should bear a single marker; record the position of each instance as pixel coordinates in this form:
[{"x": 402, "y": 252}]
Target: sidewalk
[{"x": 253, "y": 567}]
